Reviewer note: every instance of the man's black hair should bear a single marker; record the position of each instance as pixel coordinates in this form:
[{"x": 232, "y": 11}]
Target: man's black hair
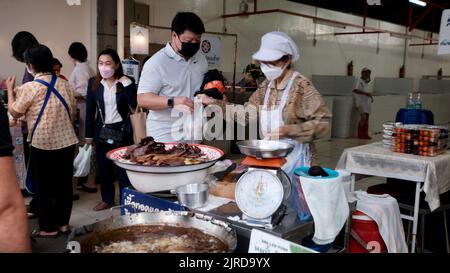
[
  {"x": 187, "y": 21},
  {"x": 78, "y": 52},
  {"x": 20, "y": 43},
  {"x": 40, "y": 57}
]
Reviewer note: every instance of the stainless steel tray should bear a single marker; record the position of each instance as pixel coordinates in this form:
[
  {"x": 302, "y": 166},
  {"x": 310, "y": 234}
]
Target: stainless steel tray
[{"x": 265, "y": 148}]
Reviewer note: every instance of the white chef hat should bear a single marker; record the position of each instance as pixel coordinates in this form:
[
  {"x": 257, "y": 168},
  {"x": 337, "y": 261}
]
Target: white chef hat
[{"x": 275, "y": 45}]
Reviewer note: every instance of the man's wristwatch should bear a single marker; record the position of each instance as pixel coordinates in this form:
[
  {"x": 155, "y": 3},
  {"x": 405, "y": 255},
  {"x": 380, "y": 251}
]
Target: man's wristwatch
[{"x": 170, "y": 102}]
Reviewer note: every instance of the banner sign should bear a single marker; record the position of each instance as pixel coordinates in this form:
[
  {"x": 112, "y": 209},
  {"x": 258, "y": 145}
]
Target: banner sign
[
  {"x": 210, "y": 47},
  {"x": 444, "y": 35}
]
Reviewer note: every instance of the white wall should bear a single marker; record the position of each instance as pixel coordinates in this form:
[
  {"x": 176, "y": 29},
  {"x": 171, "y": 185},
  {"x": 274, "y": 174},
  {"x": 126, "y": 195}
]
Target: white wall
[
  {"x": 53, "y": 23},
  {"x": 328, "y": 57}
]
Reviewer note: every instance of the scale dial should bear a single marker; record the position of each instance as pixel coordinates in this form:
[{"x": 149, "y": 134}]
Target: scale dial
[{"x": 259, "y": 193}]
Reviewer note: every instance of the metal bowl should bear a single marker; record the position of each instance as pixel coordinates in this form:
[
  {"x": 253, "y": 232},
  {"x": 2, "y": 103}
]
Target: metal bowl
[
  {"x": 192, "y": 195},
  {"x": 265, "y": 148}
]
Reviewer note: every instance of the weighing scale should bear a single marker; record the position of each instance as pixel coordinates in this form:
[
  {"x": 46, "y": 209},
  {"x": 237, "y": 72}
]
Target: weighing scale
[{"x": 262, "y": 191}]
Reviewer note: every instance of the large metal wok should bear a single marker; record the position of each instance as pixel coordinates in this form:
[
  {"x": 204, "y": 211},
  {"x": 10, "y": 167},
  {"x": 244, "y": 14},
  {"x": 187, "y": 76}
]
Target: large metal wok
[
  {"x": 83, "y": 239},
  {"x": 265, "y": 148}
]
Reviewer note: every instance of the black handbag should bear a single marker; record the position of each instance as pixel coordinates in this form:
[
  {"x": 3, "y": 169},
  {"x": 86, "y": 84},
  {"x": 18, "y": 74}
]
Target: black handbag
[{"x": 111, "y": 134}]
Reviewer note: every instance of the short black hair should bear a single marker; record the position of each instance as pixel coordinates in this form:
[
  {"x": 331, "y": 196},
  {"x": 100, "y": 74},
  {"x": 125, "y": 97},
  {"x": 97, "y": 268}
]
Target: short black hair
[
  {"x": 187, "y": 21},
  {"x": 40, "y": 57},
  {"x": 20, "y": 43},
  {"x": 78, "y": 52},
  {"x": 56, "y": 62}
]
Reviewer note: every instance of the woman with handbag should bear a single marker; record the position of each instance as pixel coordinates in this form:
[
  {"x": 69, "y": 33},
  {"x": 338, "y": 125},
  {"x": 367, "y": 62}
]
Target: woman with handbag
[{"x": 111, "y": 96}]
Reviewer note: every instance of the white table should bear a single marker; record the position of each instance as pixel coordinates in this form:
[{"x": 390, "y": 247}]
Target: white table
[{"x": 374, "y": 160}]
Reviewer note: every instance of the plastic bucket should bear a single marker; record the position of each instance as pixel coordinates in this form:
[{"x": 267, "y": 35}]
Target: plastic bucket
[
  {"x": 298, "y": 196},
  {"x": 367, "y": 230}
]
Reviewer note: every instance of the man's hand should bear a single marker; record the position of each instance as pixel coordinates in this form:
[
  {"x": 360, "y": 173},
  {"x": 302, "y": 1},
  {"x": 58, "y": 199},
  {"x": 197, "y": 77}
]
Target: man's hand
[
  {"x": 184, "y": 102},
  {"x": 10, "y": 82},
  {"x": 89, "y": 141},
  {"x": 205, "y": 99},
  {"x": 371, "y": 97}
]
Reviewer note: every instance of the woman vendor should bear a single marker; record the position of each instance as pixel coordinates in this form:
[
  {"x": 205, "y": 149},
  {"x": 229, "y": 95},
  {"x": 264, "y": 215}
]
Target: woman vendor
[{"x": 292, "y": 110}]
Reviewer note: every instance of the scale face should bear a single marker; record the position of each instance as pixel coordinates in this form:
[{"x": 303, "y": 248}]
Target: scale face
[{"x": 259, "y": 194}]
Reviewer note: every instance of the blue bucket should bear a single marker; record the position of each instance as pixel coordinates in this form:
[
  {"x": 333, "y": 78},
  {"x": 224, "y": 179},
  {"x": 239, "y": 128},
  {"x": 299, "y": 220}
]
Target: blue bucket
[{"x": 303, "y": 171}]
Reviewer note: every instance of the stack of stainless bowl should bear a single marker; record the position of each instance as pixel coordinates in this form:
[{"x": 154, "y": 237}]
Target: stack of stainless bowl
[{"x": 388, "y": 131}]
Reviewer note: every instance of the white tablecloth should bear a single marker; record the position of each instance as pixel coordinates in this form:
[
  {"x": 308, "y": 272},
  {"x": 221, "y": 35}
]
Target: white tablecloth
[{"x": 373, "y": 159}]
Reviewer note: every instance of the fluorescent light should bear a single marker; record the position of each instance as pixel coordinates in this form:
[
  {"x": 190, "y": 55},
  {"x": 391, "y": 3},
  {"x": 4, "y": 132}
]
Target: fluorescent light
[
  {"x": 332, "y": 24},
  {"x": 418, "y": 2}
]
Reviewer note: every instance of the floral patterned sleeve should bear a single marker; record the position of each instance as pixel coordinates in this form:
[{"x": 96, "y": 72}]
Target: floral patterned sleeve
[
  {"x": 24, "y": 99},
  {"x": 312, "y": 112},
  {"x": 255, "y": 100}
]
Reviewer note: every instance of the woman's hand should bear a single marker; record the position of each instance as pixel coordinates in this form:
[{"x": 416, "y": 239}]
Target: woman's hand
[
  {"x": 10, "y": 82},
  {"x": 282, "y": 132},
  {"x": 306, "y": 133},
  {"x": 205, "y": 99}
]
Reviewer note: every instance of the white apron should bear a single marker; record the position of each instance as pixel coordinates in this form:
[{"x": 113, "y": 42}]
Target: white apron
[{"x": 272, "y": 119}]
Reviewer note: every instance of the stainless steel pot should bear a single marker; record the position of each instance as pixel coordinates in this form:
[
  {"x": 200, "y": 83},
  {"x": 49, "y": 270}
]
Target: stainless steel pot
[
  {"x": 192, "y": 195},
  {"x": 82, "y": 239}
]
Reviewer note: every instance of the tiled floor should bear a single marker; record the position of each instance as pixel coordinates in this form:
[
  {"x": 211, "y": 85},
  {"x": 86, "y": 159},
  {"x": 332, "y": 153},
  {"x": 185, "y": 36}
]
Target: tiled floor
[{"x": 82, "y": 214}]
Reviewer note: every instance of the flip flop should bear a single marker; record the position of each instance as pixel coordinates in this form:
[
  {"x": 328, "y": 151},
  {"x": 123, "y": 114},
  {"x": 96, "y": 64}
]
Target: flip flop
[
  {"x": 103, "y": 206},
  {"x": 37, "y": 234},
  {"x": 31, "y": 215}
]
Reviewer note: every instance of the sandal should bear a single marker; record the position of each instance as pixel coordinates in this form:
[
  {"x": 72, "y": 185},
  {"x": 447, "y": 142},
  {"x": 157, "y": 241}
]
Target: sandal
[
  {"x": 65, "y": 230},
  {"x": 38, "y": 234},
  {"x": 31, "y": 215},
  {"x": 102, "y": 206}
]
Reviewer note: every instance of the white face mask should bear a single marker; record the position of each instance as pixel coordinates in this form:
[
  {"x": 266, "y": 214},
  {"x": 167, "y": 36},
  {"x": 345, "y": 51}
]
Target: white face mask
[{"x": 272, "y": 72}]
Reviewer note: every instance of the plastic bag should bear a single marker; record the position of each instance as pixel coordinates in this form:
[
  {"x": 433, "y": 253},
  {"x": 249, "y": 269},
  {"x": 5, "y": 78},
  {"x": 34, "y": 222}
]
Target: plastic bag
[
  {"x": 82, "y": 163},
  {"x": 193, "y": 126}
]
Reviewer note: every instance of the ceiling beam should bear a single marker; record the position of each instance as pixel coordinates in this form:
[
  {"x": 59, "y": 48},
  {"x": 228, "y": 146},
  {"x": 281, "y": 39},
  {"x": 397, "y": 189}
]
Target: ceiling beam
[
  {"x": 324, "y": 20},
  {"x": 422, "y": 16}
]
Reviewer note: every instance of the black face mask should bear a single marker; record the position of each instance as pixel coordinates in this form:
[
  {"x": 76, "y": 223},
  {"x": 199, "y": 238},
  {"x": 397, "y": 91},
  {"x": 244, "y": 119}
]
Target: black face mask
[{"x": 189, "y": 49}]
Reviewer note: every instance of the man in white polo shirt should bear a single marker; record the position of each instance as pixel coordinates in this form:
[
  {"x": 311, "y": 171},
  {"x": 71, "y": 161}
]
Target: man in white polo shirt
[{"x": 172, "y": 76}]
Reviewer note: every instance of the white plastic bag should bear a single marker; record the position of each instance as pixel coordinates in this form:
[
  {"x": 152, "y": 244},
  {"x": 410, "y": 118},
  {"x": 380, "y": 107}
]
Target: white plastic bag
[
  {"x": 82, "y": 163},
  {"x": 193, "y": 126}
]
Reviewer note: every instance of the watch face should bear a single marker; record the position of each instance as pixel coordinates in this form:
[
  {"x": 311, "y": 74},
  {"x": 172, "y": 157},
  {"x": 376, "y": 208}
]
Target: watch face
[{"x": 170, "y": 102}]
